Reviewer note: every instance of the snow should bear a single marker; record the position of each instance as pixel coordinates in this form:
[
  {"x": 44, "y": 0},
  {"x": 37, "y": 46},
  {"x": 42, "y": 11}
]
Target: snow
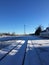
[
  {"x": 15, "y": 55},
  {"x": 31, "y": 56},
  {"x": 29, "y": 50},
  {"x": 37, "y": 52},
  {"x": 8, "y": 48}
]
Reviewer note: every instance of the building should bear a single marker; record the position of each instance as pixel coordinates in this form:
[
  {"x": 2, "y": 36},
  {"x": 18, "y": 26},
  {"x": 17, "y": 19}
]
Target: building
[{"x": 45, "y": 33}]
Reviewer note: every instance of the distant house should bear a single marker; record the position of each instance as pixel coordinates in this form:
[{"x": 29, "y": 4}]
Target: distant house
[
  {"x": 47, "y": 29},
  {"x": 45, "y": 33}
]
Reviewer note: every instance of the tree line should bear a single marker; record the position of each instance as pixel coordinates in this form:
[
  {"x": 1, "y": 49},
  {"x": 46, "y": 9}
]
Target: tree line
[{"x": 8, "y": 34}]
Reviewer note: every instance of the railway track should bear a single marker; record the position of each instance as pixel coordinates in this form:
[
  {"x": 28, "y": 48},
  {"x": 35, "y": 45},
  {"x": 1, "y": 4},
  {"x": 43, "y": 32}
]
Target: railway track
[
  {"x": 38, "y": 55},
  {"x": 8, "y": 51},
  {"x": 24, "y": 54}
]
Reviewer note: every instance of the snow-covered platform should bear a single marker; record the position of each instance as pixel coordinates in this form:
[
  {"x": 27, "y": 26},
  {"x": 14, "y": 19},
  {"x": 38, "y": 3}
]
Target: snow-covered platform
[{"x": 26, "y": 52}]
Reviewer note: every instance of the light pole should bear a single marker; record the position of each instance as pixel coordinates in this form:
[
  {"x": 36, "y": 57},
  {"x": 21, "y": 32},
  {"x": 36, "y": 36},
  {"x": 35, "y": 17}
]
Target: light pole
[{"x": 24, "y": 29}]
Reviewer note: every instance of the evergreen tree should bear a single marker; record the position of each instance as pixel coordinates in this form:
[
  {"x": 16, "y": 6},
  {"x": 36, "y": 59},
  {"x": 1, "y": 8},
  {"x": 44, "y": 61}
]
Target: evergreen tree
[{"x": 38, "y": 30}]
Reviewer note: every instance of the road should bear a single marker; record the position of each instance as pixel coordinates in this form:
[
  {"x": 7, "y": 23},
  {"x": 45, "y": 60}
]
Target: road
[{"x": 26, "y": 50}]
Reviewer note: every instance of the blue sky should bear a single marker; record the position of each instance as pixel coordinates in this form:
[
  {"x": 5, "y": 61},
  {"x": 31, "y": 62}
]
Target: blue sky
[{"x": 15, "y": 13}]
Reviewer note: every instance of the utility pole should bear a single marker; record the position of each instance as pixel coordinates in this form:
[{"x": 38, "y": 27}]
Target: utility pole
[{"x": 24, "y": 29}]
